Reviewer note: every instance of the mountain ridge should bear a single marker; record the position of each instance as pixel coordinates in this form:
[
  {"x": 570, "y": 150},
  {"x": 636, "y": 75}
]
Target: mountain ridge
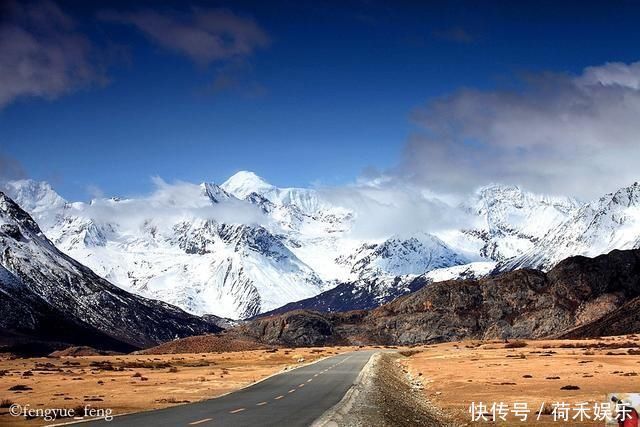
[
  {"x": 48, "y": 296},
  {"x": 293, "y": 244},
  {"x": 580, "y": 297}
]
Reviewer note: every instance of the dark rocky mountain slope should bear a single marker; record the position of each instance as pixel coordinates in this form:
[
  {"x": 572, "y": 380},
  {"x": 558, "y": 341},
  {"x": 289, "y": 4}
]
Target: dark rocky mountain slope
[
  {"x": 363, "y": 294},
  {"x": 589, "y": 296}
]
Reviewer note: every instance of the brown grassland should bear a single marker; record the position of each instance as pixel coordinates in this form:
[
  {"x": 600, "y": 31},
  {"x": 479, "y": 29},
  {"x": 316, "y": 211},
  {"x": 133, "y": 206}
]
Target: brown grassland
[
  {"x": 453, "y": 375},
  {"x": 449, "y": 376},
  {"x": 127, "y": 383}
]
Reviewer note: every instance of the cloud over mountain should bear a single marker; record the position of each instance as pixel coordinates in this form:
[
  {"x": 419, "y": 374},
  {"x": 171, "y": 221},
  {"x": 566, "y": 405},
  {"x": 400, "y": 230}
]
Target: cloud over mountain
[
  {"x": 550, "y": 132},
  {"x": 170, "y": 203}
]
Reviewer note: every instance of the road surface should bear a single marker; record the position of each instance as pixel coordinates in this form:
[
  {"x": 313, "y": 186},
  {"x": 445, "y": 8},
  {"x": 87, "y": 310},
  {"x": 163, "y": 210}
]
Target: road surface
[{"x": 294, "y": 398}]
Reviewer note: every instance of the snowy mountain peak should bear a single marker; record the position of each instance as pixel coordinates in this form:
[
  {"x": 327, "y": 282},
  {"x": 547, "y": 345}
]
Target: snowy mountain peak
[
  {"x": 214, "y": 192},
  {"x": 512, "y": 196},
  {"x": 499, "y": 191},
  {"x": 33, "y": 196},
  {"x": 398, "y": 256},
  {"x": 11, "y": 216},
  {"x": 512, "y": 220},
  {"x": 244, "y": 183},
  {"x": 626, "y": 196},
  {"x": 611, "y": 222},
  {"x": 41, "y": 289}
]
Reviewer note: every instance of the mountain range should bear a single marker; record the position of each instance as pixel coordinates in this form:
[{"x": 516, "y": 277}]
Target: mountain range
[
  {"x": 47, "y": 296},
  {"x": 247, "y": 247},
  {"x": 580, "y": 297}
]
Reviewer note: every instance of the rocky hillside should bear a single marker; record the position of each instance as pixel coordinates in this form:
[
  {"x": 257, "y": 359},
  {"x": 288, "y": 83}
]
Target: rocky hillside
[
  {"x": 364, "y": 294},
  {"x": 47, "y": 296},
  {"x": 526, "y": 303}
]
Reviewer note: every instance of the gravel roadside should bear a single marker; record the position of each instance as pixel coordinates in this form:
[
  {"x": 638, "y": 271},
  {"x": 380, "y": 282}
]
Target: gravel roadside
[{"x": 384, "y": 397}]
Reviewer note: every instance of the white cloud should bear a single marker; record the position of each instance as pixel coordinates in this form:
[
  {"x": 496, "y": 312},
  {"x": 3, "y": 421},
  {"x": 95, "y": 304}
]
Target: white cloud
[
  {"x": 575, "y": 135},
  {"x": 167, "y": 205},
  {"x": 386, "y": 206}
]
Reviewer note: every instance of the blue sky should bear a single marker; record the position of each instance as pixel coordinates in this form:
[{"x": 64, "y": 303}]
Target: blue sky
[{"x": 329, "y": 94}]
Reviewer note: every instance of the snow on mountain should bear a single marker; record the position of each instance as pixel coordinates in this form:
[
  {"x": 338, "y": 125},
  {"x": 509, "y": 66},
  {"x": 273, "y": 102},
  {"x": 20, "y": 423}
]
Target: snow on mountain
[
  {"x": 243, "y": 183},
  {"x": 611, "y": 222},
  {"x": 301, "y": 201},
  {"x": 185, "y": 256},
  {"x": 370, "y": 292},
  {"x": 509, "y": 221},
  {"x": 398, "y": 256},
  {"x": 37, "y": 198},
  {"x": 232, "y": 250},
  {"x": 247, "y": 246},
  {"x": 48, "y": 295},
  {"x": 315, "y": 230}
]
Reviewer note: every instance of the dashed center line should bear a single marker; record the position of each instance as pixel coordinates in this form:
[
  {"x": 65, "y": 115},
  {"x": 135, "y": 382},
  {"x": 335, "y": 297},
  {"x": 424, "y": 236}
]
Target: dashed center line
[
  {"x": 235, "y": 411},
  {"x": 200, "y": 422}
]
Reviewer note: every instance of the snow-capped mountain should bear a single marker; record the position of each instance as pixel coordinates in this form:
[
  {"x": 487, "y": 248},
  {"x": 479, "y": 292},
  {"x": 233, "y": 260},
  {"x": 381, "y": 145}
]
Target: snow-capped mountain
[
  {"x": 306, "y": 201},
  {"x": 314, "y": 229},
  {"x": 509, "y": 221},
  {"x": 37, "y": 198},
  {"x": 47, "y": 295},
  {"x": 247, "y": 246},
  {"x": 398, "y": 256},
  {"x": 174, "y": 247},
  {"x": 611, "y": 222},
  {"x": 232, "y": 250}
]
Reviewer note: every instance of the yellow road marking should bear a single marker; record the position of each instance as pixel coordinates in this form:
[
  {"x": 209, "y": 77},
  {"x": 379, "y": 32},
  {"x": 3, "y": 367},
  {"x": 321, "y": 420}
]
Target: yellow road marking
[
  {"x": 235, "y": 411},
  {"x": 200, "y": 422},
  {"x": 261, "y": 403},
  {"x": 279, "y": 397}
]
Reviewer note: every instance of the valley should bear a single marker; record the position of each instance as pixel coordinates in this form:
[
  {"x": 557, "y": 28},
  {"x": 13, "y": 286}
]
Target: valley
[
  {"x": 442, "y": 379},
  {"x": 361, "y": 213}
]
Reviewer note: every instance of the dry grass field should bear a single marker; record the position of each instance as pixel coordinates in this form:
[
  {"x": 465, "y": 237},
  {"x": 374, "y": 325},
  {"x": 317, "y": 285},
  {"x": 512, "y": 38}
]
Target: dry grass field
[
  {"x": 455, "y": 374},
  {"x": 449, "y": 376},
  {"x": 138, "y": 382}
]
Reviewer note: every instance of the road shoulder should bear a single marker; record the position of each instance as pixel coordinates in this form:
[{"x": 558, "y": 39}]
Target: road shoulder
[{"x": 382, "y": 396}]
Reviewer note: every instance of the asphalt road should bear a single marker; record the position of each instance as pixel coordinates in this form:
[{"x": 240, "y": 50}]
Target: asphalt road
[{"x": 294, "y": 398}]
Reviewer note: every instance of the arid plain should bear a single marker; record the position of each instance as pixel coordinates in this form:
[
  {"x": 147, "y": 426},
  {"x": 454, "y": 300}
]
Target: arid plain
[{"x": 447, "y": 376}]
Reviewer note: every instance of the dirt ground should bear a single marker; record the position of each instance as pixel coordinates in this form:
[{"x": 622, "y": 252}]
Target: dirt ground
[
  {"x": 447, "y": 377},
  {"x": 453, "y": 375},
  {"x": 130, "y": 383}
]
